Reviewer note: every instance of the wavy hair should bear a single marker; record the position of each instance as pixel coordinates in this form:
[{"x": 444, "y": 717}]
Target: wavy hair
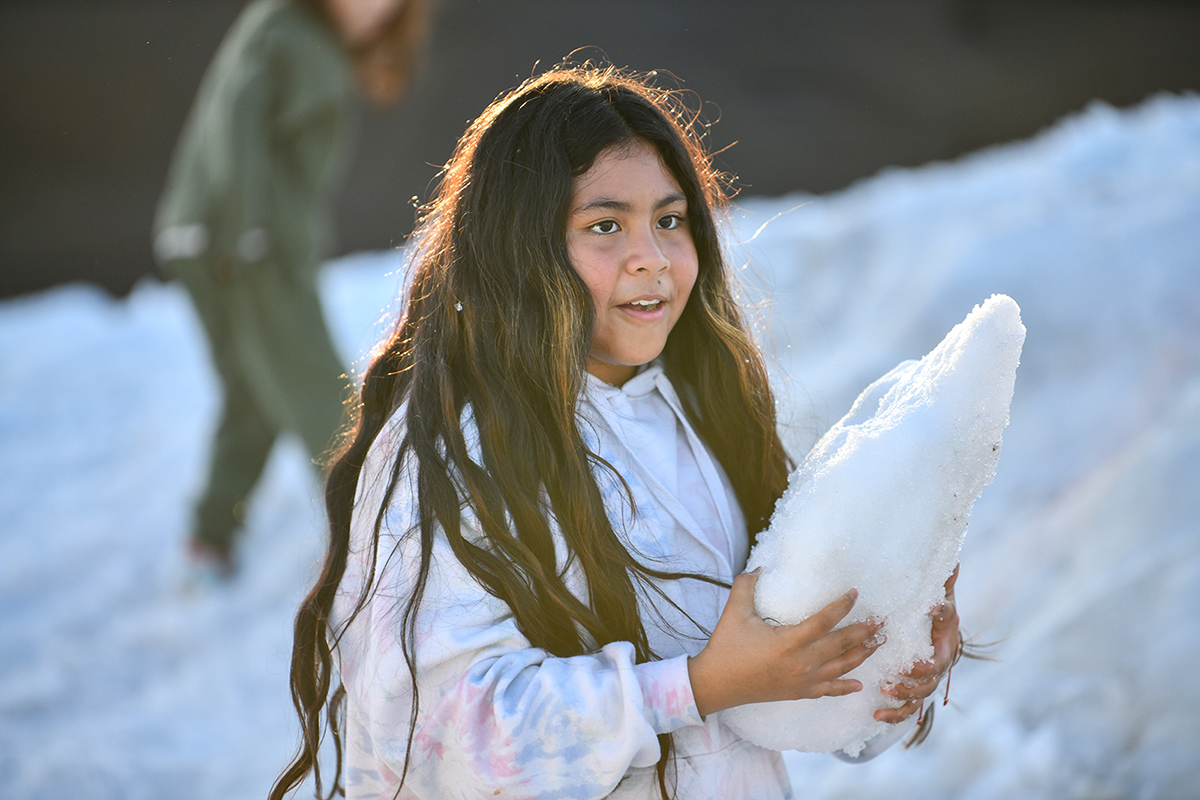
[
  {"x": 386, "y": 64},
  {"x": 497, "y": 320}
]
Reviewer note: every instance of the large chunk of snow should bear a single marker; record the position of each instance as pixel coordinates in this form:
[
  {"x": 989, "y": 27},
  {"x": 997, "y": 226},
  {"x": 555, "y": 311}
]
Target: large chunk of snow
[{"x": 881, "y": 505}]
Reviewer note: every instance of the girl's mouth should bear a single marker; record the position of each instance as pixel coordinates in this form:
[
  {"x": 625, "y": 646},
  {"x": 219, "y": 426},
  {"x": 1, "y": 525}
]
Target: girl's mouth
[{"x": 644, "y": 305}]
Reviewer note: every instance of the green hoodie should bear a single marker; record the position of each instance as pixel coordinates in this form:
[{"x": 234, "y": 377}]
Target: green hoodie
[{"x": 264, "y": 141}]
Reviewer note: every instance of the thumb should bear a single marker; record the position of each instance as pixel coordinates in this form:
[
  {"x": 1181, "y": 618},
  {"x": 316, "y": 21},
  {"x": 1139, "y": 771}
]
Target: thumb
[{"x": 741, "y": 595}]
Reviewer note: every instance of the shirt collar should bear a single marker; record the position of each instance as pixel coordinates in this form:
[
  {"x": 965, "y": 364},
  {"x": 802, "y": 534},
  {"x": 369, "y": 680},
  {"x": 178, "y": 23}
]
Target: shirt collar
[{"x": 641, "y": 384}]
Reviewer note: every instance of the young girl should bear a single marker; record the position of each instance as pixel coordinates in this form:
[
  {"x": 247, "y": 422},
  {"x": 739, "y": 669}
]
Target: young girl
[
  {"x": 241, "y": 224},
  {"x": 557, "y": 468}
]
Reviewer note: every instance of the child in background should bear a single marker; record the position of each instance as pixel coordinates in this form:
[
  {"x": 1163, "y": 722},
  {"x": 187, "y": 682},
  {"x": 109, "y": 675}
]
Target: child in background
[
  {"x": 243, "y": 225},
  {"x": 556, "y": 470}
]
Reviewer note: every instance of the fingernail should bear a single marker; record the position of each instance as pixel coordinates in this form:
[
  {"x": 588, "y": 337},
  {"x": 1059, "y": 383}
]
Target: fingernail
[
  {"x": 756, "y": 571},
  {"x": 852, "y": 594}
]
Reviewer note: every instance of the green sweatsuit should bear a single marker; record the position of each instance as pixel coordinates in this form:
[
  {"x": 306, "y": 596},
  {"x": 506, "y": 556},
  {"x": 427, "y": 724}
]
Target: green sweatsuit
[{"x": 242, "y": 224}]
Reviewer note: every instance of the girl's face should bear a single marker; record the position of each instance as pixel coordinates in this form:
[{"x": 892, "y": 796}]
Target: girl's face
[
  {"x": 360, "y": 21},
  {"x": 628, "y": 239}
]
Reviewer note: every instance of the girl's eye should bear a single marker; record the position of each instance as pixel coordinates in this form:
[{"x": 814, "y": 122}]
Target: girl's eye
[
  {"x": 670, "y": 222},
  {"x": 606, "y": 226}
]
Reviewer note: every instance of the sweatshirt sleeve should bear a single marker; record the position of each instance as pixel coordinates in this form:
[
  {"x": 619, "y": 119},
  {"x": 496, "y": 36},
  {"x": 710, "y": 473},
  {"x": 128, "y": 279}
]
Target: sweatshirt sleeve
[
  {"x": 250, "y": 174},
  {"x": 284, "y": 131},
  {"x": 497, "y": 717}
]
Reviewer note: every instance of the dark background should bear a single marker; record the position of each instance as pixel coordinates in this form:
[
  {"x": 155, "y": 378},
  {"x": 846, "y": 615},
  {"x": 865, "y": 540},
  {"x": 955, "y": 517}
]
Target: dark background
[{"x": 816, "y": 93}]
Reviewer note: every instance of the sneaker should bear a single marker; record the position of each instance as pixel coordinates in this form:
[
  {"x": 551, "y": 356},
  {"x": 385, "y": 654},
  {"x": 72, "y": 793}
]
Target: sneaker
[{"x": 208, "y": 564}]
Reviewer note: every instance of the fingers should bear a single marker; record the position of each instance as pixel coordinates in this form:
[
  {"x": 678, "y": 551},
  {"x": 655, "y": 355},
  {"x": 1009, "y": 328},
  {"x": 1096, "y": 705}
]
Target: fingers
[
  {"x": 829, "y": 654},
  {"x": 837, "y": 688},
  {"x": 922, "y": 679},
  {"x": 748, "y": 660},
  {"x": 945, "y": 613},
  {"x": 953, "y": 579},
  {"x": 944, "y": 631},
  {"x": 864, "y": 643},
  {"x": 945, "y": 636},
  {"x": 841, "y": 650},
  {"x": 846, "y": 641},
  {"x": 947, "y": 609},
  {"x": 741, "y": 598},
  {"x": 912, "y": 689},
  {"x": 853, "y": 637},
  {"x": 894, "y": 715},
  {"x": 827, "y": 618},
  {"x": 945, "y": 620},
  {"x": 921, "y": 672}
]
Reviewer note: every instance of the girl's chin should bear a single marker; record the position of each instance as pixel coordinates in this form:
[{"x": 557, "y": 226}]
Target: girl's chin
[{"x": 613, "y": 373}]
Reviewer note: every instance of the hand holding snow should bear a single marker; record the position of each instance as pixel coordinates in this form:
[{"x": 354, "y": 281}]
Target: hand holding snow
[{"x": 881, "y": 504}]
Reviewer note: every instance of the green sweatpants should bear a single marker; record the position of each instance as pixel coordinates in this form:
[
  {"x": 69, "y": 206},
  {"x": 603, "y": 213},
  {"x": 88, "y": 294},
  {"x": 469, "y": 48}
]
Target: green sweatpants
[{"x": 278, "y": 372}]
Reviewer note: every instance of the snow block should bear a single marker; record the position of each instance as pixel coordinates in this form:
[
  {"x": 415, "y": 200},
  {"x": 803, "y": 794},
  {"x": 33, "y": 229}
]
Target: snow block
[{"x": 881, "y": 505}]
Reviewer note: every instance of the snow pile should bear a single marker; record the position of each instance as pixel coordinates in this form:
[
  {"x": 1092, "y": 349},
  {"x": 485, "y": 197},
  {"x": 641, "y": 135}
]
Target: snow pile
[
  {"x": 1083, "y": 561},
  {"x": 881, "y": 505}
]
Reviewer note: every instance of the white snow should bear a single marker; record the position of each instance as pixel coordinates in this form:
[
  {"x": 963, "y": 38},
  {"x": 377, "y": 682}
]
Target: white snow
[
  {"x": 1083, "y": 559},
  {"x": 880, "y": 504}
]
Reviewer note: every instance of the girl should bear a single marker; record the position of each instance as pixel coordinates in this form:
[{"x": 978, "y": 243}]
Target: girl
[
  {"x": 242, "y": 220},
  {"x": 556, "y": 470}
]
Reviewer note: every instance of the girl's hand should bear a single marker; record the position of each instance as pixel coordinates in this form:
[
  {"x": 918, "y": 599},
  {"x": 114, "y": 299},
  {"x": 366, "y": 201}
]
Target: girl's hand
[
  {"x": 923, "y": 679},
  {"x": 748, "y": 660}
]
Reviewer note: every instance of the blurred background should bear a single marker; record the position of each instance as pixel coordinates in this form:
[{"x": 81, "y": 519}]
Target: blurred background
[
  {"x": 119, "y": 678},
  {"x": 809, "y": 95}
]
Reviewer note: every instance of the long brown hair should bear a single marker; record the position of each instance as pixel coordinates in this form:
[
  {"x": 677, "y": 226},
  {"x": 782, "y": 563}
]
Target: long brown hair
[
  {"x": 385, "y": 65},
  {"x": 497, "y": 320}
]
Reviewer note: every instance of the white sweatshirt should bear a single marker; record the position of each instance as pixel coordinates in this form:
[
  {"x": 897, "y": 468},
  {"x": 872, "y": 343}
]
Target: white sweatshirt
[{"x": 500, "y": 718}]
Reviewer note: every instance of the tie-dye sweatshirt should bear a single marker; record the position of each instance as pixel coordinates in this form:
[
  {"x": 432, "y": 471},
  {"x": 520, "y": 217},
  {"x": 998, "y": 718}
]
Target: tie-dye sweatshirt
[{"x": 501, "y": 718}]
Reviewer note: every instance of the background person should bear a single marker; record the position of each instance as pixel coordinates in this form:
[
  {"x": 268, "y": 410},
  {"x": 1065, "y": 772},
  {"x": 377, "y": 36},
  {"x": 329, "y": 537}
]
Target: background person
[{"x": 243, "y": 224}]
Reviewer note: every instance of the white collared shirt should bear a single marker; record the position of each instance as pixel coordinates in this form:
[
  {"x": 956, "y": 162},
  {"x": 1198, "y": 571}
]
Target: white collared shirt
[{"x": 499, "y": 717}]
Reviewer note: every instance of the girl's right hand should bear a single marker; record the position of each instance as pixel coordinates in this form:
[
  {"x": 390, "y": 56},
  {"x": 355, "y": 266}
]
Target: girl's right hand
[{"x": 748, "y": 660}]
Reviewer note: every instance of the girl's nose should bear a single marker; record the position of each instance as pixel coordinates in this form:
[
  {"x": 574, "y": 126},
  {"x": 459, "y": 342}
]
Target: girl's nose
[{"x": 646, "y": 254}]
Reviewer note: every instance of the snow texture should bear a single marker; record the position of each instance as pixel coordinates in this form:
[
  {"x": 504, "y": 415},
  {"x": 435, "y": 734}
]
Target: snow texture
[
  {"x": 1083, "y": 563},
  {"x": 881, "y": 504}
]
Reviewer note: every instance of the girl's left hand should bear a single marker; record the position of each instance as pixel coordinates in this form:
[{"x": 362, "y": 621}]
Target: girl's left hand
[{"x": 923, "y": 679}]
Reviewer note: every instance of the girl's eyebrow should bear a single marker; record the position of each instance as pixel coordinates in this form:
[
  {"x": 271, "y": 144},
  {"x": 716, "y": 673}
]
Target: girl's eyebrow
[{"x": 624, "y": 207}]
